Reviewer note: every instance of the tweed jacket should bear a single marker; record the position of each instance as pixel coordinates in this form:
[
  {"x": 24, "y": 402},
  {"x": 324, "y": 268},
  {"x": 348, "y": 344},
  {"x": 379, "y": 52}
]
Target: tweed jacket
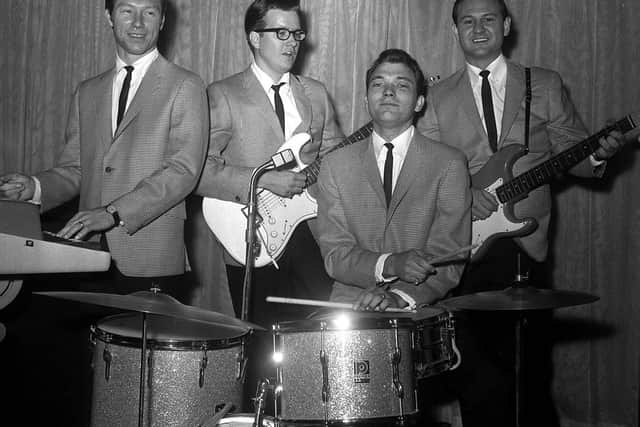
[
  {"x": 146, "y": 169},
  {"x": 429, "y": 210}
]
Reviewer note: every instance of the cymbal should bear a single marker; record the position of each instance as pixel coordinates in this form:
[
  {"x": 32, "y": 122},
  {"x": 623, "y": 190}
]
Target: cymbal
[
  {"x": 519, "y": 298},
  {"x": 155, "y": 303}
]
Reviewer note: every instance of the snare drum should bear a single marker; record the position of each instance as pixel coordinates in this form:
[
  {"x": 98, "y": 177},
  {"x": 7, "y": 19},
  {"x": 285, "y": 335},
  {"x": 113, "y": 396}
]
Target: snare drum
[
  {"x": 435, "y": 347},
  {"x": 192, "y": 370},
  {"x": 345, "y": 367}
]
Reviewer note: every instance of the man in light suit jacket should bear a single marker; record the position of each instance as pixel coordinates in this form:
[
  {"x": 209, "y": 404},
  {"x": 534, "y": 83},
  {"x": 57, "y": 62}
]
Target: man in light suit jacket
[
  {"x": 131, "y": 157},
  {"x": 390, "y": 203},
  {"x": 459, "y": 115},
  {"x": 245, "y": 132}
]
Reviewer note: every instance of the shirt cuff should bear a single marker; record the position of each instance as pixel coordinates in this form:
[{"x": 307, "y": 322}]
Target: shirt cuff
[
  {"x": 37, "y": 193},
  {"x": 406, "y": 297},
  {"x": 380, "y": 279}
]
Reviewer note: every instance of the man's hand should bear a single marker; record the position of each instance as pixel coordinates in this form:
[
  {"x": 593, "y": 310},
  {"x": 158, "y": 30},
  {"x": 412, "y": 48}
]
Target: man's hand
[
  {"x": 378, "y": 300},
  {"x": 410, "y": 266},
  {"x": 16, "y": 186},
  {"x": 609, "y": 145},
  {"x": 85, "y": 222},
  {"x": 484, "y": 204},
  {"x": 283, "y": 183}
]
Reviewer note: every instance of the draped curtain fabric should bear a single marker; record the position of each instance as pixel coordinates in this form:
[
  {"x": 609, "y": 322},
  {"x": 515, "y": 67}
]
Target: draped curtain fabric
[{"x": 49, "y": 46}]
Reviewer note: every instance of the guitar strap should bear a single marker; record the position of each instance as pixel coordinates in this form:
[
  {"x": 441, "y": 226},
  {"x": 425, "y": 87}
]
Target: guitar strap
[{"x": 527, "y": 107}]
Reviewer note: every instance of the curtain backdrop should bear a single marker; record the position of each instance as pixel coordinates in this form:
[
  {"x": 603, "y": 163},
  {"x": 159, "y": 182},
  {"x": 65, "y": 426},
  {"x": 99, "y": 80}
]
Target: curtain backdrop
[{"x": 49, "y": 46}]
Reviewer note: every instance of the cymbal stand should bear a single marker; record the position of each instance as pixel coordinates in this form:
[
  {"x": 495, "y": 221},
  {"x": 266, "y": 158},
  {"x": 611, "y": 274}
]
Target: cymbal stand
[
  {"x": 261, "y": 394},
  {"x": 142, "y": 369},
  {"x": 519, "y": 345}
]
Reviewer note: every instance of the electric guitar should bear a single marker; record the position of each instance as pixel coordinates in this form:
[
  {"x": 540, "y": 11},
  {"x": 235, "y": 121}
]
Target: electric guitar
[
  {"x": 279, "y": 216},
  {"x": 496, "y": 178}
]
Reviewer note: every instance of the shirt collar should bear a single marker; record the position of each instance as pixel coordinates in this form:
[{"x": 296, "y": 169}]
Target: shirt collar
[
  {"x": 497, "y": 68},
  {"x": 139, "y": 64},
  {"x": 400, "y": 142},
  {"x": 265, "y": 81}
]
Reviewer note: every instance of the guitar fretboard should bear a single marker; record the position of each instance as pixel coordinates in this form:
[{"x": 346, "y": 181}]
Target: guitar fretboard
[
  {"x": 313, "y": 169},
  {"x": 549, "y": 169}
]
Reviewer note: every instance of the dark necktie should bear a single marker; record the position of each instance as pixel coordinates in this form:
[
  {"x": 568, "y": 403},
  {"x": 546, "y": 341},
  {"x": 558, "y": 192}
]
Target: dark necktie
[
  {"x": 487, "y": 108},
  {"x": 388, "y": 173},
  {"x": 124, "y": 93},
  {"x": 278, "y": 103}
]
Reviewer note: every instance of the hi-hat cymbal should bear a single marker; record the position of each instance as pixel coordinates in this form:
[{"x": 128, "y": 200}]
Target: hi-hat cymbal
[
  {"x": 155, "y": 303},
  {"x": 519, "y": 298}
]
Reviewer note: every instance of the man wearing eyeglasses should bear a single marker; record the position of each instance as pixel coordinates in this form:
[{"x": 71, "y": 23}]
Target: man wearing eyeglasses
[{"x": 246, "y": 130}]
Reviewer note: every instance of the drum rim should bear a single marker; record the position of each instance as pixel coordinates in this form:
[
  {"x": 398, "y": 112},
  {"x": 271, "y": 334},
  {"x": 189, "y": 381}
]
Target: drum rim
[
  {"x": 314, "y": 325},
  {"x": 163, "y": 344}
]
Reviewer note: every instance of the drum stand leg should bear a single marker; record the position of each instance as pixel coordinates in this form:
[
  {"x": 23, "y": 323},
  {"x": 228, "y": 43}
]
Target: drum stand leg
[{"x": 142, "y": 369}]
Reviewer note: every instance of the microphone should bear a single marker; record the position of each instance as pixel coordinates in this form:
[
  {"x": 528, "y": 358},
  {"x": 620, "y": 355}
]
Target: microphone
[{"x": 280, "y": 159}]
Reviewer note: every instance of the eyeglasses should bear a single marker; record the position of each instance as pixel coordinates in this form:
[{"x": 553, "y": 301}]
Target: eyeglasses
[{"x": 285, "y": 33}]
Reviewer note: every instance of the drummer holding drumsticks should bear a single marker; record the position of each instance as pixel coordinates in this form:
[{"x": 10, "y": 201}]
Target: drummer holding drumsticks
[{"x": 392, "y": 203}]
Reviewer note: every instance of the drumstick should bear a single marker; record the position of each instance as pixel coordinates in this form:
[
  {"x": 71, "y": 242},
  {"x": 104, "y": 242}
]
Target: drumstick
[
  {"x": 445, "y": 257},
  {"x": 327, "y": 304}
]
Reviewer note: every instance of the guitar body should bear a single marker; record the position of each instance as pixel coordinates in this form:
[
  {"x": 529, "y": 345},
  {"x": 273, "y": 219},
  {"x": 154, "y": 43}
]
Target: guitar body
[
  {"x": 503, "y": 222},
  {"x": 280, "y": 216}
]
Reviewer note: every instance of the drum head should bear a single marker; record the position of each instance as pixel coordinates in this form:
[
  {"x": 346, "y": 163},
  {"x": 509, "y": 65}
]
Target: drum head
[{"x": 127, "y": 328}]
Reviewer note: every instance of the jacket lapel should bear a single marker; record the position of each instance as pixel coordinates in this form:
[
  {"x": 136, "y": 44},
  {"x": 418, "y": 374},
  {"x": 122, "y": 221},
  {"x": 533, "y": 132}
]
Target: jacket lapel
[
  {"x": 411, "y": 167},
  {"x": 513, "y": 98},
  {"x": 303, "y": 104},
  {"x": 255, "y": 95},
  {"x": 151, "y": 82},
  {"x": 103, "y": 108},
  {"x": 371, "y": 172},
  {"x": 468, "y": 103}
]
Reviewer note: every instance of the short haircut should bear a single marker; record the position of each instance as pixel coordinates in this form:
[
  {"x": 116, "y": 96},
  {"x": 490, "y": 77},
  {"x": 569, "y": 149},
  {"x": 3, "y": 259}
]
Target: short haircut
[
  {"x": 398, "y": 56},
  {"x": 254, "y": 17},
  {"x": 454, "y": 13},
  {"x": 109, "y": 4}
]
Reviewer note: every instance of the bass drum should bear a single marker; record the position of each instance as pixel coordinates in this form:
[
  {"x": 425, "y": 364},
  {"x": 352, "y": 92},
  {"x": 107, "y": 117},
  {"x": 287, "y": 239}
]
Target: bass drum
[{"x": 192, "y": 371}]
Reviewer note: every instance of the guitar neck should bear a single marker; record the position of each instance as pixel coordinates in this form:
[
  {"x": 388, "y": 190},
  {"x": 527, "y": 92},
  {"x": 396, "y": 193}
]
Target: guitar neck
[
  {"x": 313, "y": 169},
  {"x": 549, "y": 169}
]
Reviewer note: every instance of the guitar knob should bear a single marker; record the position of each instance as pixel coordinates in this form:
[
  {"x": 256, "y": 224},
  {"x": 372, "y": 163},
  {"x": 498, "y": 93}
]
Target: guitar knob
[
  {"x": 271, "y": 220},
  {"x": 274, "y": 234}
]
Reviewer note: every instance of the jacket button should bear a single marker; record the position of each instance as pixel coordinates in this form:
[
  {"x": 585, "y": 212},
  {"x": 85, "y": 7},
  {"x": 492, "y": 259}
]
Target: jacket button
[{"x": 108, "y": 169}]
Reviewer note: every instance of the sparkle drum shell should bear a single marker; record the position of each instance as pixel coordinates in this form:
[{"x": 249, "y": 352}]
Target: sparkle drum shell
[
  {"x": 191, "y": 371},
  {"x": 345, "y": 367}
]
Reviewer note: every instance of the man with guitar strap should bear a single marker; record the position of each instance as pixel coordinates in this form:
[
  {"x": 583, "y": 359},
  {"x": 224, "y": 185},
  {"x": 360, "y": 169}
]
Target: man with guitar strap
[
  {"x": 252, "y": 114},
  {"x": 488, "y": 107}
]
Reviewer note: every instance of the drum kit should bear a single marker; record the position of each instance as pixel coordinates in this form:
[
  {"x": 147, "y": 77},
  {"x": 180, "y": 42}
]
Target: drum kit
[{"x": 338, "y": 368}]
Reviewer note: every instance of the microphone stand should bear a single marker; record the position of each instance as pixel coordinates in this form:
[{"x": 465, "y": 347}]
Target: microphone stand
[{"x": 253, "y": 221}]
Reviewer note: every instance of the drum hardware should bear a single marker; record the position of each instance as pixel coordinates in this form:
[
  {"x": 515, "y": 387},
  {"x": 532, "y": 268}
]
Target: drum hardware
[
  {"x": 106, "y": 356},
  {"x": 395, "y": 364},
  {"x": 520, "y": 298},
  {"x": 261, "y": 394},
  {"x": 203, "y": 366},
  {"x": 325, "y": 372}
]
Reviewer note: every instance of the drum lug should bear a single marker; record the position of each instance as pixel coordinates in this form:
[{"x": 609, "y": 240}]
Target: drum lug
[
  {"x": 325, "y": 373},
  {"x": 203, "y": 367},
  {"x": 150, "y": 369},
  {"x": 395, "y": 364},
  {"x": 106, "y": 356}
]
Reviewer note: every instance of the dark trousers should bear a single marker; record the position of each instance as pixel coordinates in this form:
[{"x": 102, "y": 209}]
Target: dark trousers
[
  {"x": 301, "y": 275},
  {"x": 484, "y": 383}
]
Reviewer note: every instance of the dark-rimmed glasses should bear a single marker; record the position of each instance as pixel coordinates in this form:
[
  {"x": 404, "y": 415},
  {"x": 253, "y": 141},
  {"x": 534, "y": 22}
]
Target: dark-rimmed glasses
[{"x": 285, "y": 33}]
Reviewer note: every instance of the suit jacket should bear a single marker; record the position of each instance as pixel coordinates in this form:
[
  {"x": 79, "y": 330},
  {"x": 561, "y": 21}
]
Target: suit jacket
[
  {"x": 429, "y": 210},
  {"x": 452, "y": 117},
  {"x": 145, "y": 170},
  {"x": 245, "y": 131}
]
